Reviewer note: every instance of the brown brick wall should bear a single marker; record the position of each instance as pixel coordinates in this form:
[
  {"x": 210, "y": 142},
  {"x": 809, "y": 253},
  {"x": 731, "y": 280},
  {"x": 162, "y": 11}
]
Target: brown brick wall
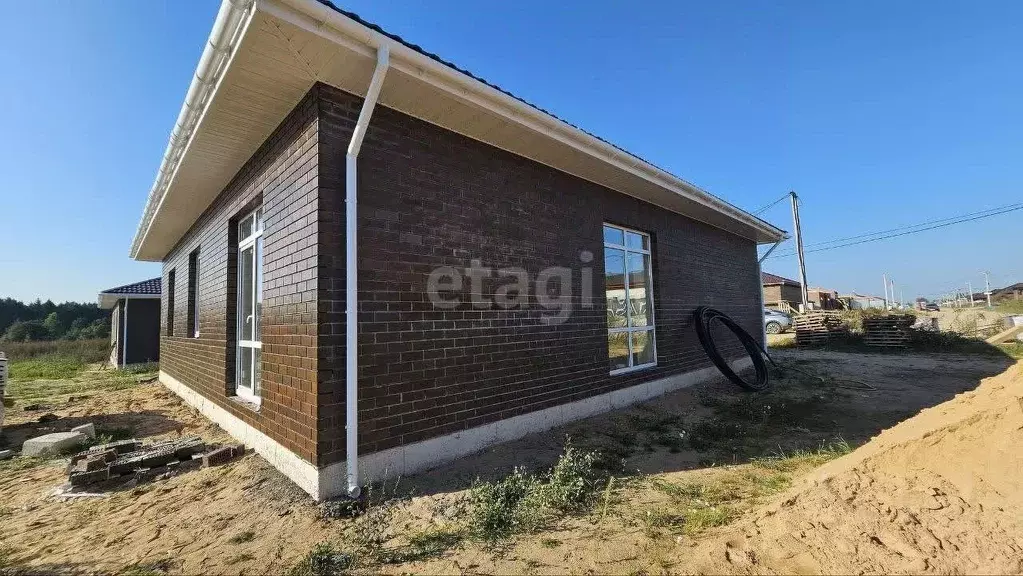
[
  {"x": 429, "y": 197},
  {"x": 282, "y": 175}
]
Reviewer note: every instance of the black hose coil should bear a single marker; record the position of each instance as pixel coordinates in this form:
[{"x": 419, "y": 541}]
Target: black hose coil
[{"x": 702, "y": 317}]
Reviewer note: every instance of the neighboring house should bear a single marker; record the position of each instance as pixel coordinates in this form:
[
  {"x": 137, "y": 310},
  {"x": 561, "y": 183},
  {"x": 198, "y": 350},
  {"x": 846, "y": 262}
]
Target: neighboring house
[
  {"x": 463, "y": 190},
  {"x": 1014, "y": 292},
  {"x": 824, "y": 299},
  {"x": 861, "y": 302},
  {"x": 134, "y": 322},
  {"x": 781, "y": 293}
]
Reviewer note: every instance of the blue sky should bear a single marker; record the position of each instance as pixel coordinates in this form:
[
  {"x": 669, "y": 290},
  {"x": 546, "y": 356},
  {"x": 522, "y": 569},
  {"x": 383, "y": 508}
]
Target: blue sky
[{"x": 879, "y": 114}]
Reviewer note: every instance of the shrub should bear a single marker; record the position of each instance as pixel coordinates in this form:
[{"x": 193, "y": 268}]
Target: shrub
[{"x": 521, "y": 502}]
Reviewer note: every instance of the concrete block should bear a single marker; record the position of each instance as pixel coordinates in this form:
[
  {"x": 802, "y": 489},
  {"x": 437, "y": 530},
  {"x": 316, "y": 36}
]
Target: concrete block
[
  {"x": 50, "y": 444},
  {"x": 186, "y": 448},
  {"x": 157, "y": 459},
  {"x": 87, "y": 429},
  {"x": 5, "y": 454}
]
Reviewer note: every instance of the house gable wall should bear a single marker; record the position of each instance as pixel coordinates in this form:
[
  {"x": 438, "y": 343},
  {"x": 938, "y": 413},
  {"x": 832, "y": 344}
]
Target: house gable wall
[{"x": 282, "y": 175}]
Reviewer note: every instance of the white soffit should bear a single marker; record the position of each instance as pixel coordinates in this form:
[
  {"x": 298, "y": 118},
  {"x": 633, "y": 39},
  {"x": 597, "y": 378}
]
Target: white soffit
[{"x": 284, "y": 52}]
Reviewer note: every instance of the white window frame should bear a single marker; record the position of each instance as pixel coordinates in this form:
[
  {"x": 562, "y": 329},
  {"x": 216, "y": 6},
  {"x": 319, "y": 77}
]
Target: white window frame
[
  {"x": 247, "y": 392},
  {"x": 652, "y": 328},
  {"x": 195, "y": 294}
]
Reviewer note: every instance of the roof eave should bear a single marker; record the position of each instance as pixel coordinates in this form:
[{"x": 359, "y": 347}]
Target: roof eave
[{"x": 322, "y": 20}]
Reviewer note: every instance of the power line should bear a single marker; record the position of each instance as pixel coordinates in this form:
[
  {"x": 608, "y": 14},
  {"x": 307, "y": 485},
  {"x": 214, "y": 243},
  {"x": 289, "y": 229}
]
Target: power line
[
  {"x": 771, "y": 205},
  {"x": 997, "y": 209},
  {"x": 907, "y": 230}
]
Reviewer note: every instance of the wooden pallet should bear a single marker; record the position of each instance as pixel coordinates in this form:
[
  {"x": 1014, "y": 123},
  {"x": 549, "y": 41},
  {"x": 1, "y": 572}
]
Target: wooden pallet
[
  {"x": 817, "y": 327},
  {"x": 889, "y": 331}
]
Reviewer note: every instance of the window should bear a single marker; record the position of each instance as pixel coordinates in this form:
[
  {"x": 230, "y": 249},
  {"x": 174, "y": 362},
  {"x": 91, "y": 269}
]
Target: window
[
  {"x": 628, "y": 287},
  {"x": 170, "y": 303},
  {"x": 193, "y": 294},
  {"x": 250, "y": 305}
]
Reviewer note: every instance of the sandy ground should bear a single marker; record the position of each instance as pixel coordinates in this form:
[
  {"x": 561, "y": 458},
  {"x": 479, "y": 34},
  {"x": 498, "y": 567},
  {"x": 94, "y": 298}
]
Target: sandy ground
[
  {"x": 245, "y": 517},
  {"x": 939, "y": 493}
]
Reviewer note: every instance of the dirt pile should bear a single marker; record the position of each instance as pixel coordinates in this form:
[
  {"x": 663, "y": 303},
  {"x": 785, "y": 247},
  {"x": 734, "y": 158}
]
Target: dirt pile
[{"x": 941, "y": 492}]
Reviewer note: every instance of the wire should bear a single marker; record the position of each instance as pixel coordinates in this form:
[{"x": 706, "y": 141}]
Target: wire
[
  {"x": 906, "y": 230},
  {"x": 927, "y": 223},
  {"x": 771, "y": 205}
]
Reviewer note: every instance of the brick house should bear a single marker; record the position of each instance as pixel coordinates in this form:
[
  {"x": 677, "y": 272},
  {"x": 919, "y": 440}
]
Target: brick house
[
  {"x": 134, "y": 322},
  {"x": 510, "y": 272},
  {"x": 780, "y": 293}
]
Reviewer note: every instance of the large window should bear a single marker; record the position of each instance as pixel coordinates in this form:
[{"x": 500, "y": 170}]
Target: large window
[
  {"x": 250, "y": 304},
  {"x": 171, "y": 281},
  {"x": 628, "y": 286},
  {"x": 193, "y": 294}
]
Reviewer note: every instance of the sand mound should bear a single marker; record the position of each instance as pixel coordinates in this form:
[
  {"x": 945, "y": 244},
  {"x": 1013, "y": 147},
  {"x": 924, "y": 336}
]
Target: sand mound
[{"x": 940, "y": 492}]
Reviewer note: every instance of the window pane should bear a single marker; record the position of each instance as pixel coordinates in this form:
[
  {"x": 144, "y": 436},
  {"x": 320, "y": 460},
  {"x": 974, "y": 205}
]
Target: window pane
[
  {"x": 642, "y": 348},
  {"x": 259, "y": 218},
  {"x": 618, "y": 350},
  {"x": 637, "y": 241},
  {"x": 258, "y": 309},
  {"x": 640, "y": 303},
  {"x": 613, "y": 236},
  {"x": 257, "y": 371},
  {"x": 245, "y": 228},
  {"x": 245, "y": 304},
  {"x": 244, "y": 367},
  {"x": 614, "y": 288}
]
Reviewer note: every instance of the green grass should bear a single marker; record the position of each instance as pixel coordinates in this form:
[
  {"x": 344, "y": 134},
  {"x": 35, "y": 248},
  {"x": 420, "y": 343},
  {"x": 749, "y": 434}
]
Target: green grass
[
  {"x": 1014, "y": 350},
  {"x": 797, "y": 459},
  {"x": 713, "y": 501},
  {"x": 84, "y": 351},
  {"x": 1010, "y": 307},
  {"x": 45, "y": 368},
  {"x": 54, "y": 380},
  {"x": 325, "y": 559}
]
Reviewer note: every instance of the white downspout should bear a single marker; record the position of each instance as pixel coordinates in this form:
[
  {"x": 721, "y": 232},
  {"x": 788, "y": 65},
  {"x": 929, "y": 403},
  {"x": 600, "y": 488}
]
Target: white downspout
[{"x": 352, "y": 273}]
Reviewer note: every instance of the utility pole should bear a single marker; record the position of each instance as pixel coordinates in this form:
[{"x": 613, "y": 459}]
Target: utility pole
[
  {"x": 987, "y": 287},
  {"x": 884, "y": 277},
  {"x": 894, "y": 303},
  {"x": 969, "y": 292},
  {"x": 799, "y": 249}
]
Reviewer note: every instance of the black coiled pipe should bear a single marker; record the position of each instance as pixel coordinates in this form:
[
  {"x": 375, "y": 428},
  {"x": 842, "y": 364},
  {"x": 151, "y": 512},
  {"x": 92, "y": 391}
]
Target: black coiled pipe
[{"x": 702, "y": 317}]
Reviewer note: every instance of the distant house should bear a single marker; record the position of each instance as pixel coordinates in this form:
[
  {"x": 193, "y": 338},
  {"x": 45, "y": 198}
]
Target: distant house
[
  {"x": 861, "y": 302},
  {"x": 781, "y": 293},
  {"x": 1014, "y": 292},
  {"x": 824, "y": 299},
  {"x": 134, "y": 323}
]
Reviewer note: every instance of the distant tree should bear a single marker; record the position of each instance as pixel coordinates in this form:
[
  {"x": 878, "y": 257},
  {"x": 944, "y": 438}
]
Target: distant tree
[
  {"x": 53, "y": 326},
  {"x": 26, "y": 331},
  {"x": 921, "y": 300}
]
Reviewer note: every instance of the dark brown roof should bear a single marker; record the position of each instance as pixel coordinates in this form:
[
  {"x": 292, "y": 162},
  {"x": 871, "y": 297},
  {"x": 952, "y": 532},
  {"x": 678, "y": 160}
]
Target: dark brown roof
[
  {"x": 766, "y": 278},
  {"x": 146, "y": 287}
]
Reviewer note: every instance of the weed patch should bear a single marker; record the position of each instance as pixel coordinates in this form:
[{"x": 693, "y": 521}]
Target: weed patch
[
  {"x": 522, "y": 502},
  {"x": 804, "y": 458},
  {"x": 323, "y": 560},
  {"x": 242, "y": 537},
  {"x": 422, "y": 545}
]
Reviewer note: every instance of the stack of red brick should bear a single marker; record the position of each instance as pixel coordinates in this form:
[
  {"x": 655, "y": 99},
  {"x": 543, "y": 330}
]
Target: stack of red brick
[{"x": 131, "y": 458}]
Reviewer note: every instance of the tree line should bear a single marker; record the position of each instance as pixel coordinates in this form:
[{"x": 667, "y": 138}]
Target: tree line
[{"x": 20, "y": 322}]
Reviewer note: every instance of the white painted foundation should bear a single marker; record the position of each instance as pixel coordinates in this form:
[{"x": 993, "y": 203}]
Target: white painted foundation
[{"x": 322, "y": 483}]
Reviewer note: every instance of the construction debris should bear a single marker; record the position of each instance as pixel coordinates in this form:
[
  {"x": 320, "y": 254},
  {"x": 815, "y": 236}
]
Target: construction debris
[
  {"x": 5, "y": 454},
  {"x": 87, "y": 429},
  {"x": 55, "y": 443},
  {"x": 1006, "y": 335},
  {"x": 130, "y": 459},
  {"x": 888, "y": 331},
  {"x": 817, "y": 327}
]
